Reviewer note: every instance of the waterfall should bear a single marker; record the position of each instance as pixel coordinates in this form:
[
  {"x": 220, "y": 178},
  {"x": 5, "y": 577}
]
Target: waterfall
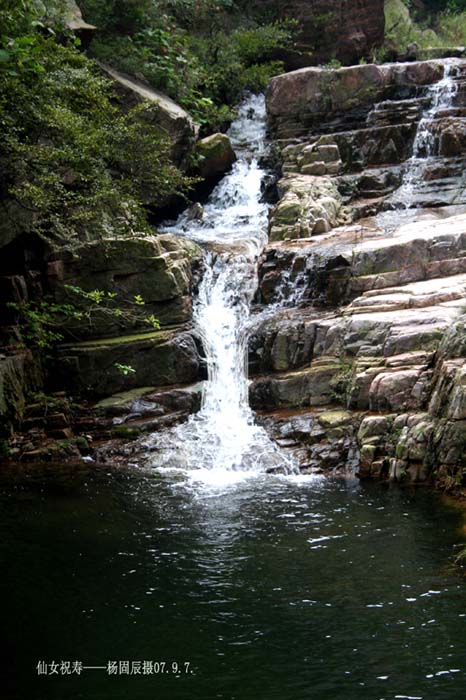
[
  {"x": 441, "y": 96},
  {"x": 222, "y": 442}
]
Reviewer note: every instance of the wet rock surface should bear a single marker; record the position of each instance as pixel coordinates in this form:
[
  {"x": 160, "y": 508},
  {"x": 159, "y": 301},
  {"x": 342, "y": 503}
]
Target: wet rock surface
[
  {"x": 158, "y": 358},
  {"x": 363, "y": 321},
  {"x": 98, "y": 352},
  {"x": 357, "y": 344},
  {"x": 159, "y": 269},
  {"x": 308, "y": 206},
  {"x": 214, "y": 155}
]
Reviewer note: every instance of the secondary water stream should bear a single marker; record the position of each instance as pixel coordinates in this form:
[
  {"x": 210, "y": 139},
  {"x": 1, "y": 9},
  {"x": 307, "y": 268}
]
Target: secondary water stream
[{"x": 440, "y": 98}]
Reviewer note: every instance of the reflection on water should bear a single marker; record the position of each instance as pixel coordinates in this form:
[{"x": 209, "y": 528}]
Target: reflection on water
[{"x": 278, "y": 587}]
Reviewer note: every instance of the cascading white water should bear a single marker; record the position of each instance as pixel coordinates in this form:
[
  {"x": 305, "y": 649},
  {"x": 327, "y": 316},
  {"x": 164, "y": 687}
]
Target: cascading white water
[
  {"x": 222, "y": 442},
  {"x": 441, "y": 96}
]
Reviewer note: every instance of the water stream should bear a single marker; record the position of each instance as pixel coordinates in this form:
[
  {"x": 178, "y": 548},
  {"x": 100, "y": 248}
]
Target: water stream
[
  {"x": 233, "y": 232},
  {"x": 440, "y": 98}
]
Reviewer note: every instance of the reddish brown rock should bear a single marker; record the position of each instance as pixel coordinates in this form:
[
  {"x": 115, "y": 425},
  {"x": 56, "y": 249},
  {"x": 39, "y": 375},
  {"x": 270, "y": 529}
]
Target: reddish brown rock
[
  {"x": 301, "y": 101},
  {"x": 343, "y": 29},
  {"x": 453, "y": 139}
]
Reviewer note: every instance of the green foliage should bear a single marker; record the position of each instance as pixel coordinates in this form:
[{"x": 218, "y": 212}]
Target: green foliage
[
  {"x": 124, "y": 369},
  {"x": 117, "y": 16},
  {"x": 334, "y": 63},
  {"x": 19, "y": 47},
  {"x": 104, "y": 303},
  {"x": 203, "y": 53},
  {"x": 438, "y": 6},
  {"x": 18, "y": 17},
  {"x": 5, "y": 449},
  {"x": 20, "y": 55},
  {"x": 239, "y": 61},
  {"x": 340, "y": 384},
  {"x": 68, "y": 157},
  {"x": 400, "y": 30},
  {"x": 38, "y": 322},
  {"x": 446, "y": 26},
  {"x": 453, "y": 479},
  {"x": 71, "y": 164},
  {"x": 42, "y": 322},
  {"x": 452, "y": 28}
]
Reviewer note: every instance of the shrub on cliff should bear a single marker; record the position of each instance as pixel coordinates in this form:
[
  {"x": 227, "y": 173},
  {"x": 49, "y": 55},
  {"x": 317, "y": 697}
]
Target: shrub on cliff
[
  {"x": 203, "y": 53},
  {"x": 71, "y": 164},
  {"x": 451, "y": 26},
  {"x": 439, "y": 24}
]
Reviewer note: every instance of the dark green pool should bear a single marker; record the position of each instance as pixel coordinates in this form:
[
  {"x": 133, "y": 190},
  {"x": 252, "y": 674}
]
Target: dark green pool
[{"x": 320, "y": 590}]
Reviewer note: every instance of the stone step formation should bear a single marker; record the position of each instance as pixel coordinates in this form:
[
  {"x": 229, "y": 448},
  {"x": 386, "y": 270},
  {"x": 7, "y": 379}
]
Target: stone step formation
[
  {"x": 358, "y": 354},
  {"x": 357, "y": 339}
]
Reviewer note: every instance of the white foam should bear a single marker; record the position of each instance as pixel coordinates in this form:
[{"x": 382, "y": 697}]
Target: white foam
[{"x": 222, "y": 445}]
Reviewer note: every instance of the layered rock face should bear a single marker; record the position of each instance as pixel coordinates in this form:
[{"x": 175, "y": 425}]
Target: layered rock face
[
  {"x": 354, "y": 129},
  {"x": 313, "y": 100},
  {"x": 358, "y": 357},
  {"x": 159, "y": 271},
  {"x": 343, "y": 29}
]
